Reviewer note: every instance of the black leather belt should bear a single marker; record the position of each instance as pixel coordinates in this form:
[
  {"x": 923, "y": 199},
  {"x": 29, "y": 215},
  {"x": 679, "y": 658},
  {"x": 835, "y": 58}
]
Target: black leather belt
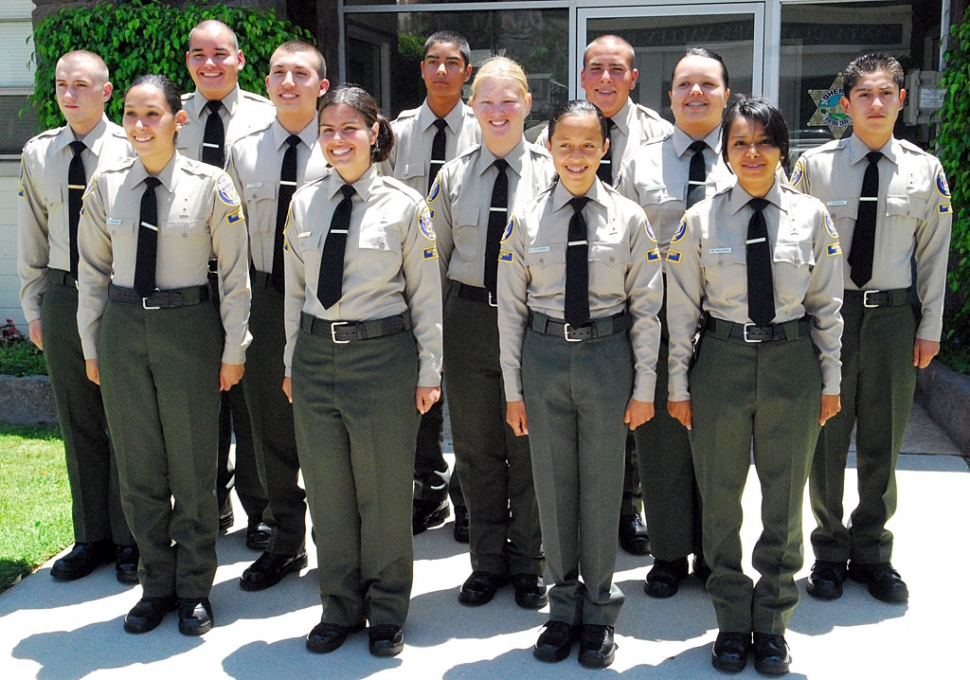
[
  {"x": 345, "y": 331},
  {"x": 597, "y": 328},
  {"x": 160, "y": 299},
  {"x": 474, "y": 293},
  {"x": 748, "y": 332},
  {"x": 59, "y": 277},
  {"x": 879, "y": 298}
]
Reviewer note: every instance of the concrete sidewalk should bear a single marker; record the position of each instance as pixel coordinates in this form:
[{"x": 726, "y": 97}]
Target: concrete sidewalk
[{"x": 53, "y": 630}]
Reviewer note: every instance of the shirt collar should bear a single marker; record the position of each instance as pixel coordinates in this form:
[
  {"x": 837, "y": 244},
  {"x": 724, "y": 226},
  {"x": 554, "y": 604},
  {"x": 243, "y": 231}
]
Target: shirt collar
[
  {"x": 740, "y": 197},
  {"x": 622, "y": 117},
  {"x": 682, "y": 140},
  {"x": 427, "y": 117},
  {"x": 858, "y": 150},
  {"x": 515, "y": 159},
  {"x": 230, "y": 101},
  {"x": 307, "y": 135},
  {"x": 168, "y": 175},
  {"x": 561, "y": 195},
  {"x": 364, "y": 186},
  {"x": 92, "y": 140}
]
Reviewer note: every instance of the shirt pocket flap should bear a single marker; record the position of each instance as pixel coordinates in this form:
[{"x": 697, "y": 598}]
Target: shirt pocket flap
[
  {"x": 260, "y": 192},
  {"x": 609, "y": 253},
  {"x": 380, "y": 239},
  {"x": 714, "y": 256},
  {"x": 309, "y": 240},
  {"x": 120, "y": 226},
  {"x": 54, "y": 193},
  {"x": 184, "y": 228},
  {"x": 543, "y": 256},
  {"x": 405, "y": 171},
  {"x": 797, "y": 254},
  {"x": 843, "y": 209},
  {"x": 901, "y": 206}
]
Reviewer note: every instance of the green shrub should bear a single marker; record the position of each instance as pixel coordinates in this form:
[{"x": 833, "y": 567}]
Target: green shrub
[
  {"x": 18, "y": 355},
  {"x": 147, "y": 36}
]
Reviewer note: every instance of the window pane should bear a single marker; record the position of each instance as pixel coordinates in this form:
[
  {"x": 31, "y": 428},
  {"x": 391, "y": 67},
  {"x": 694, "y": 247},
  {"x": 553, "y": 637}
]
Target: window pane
[
  {"x": 15, "y": 129},
  {"x": 16, "y": 66}
]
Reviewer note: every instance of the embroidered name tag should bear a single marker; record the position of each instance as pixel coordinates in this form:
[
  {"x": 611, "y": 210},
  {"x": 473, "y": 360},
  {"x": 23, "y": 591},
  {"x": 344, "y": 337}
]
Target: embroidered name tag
[
  {"x": 539, "y": 249},
  {"x": 720, "y": 251},
  {"x": 831, "y": 203}
]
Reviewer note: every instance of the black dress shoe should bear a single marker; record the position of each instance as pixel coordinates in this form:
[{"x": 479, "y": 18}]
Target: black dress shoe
[
  {"x": 148, "y": 613},
  {"x": 385, "y": 639},
  {"x": 633, "y": 535},
  {"x": 771, "y": 655},
  {"x": 480, "y": 587},
  {"x": 663, "y": 580},
  {"x": 126, "y": 564},
  {"x": 555, "y": 641},
  {"x": 82, "y": 560},
  {"x": 530, "y": 591},
  {"x": 195, "y": 616},
  {"x": 226, "y": 518},
  {"x": 269, "y": 569},
  {"x": 427, "y": 514},
  {"x": 461, "y": 524},
  {"x": 326, "y": 637},
  {"x": 826, "y": 579},
  {"x": 597, "y": 648},
  {"x": 730, "y": 652},
  {"x": 884, "y": 582},
  {"x": 701, "y": 571},
  {"x": 257, "y": 534}
]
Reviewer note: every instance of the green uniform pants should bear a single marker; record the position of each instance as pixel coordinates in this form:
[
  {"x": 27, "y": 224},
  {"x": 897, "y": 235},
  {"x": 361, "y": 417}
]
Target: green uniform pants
[
  {"x": 878, "y": 382},
  {"x": 356, "y": 423},
  {"x": 91, "y": 467},
  {"x": 772, "y": 392},
  {"x": 575, "y": 396},
  {"x": 494, "y": 464},
  {"x": 160, "y": 382},
  {"x": 271, "y": 418}
]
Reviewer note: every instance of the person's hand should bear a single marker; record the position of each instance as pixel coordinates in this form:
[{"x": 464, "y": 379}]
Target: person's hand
[
  {"x": 682, "y": 411},
  {"x": 637, "y": 413},
  {"x": 288, "y": 388},
  {"x": 91, "y": 368},
  {"x": 515, "y": 417},
  {"x": 36, "y": 333},
  {"x": 831, "y": 404},
  {"x": 924, "y": 351},
  {"x": 425, "y": 397},
  {"x": 229, "y": 375}
]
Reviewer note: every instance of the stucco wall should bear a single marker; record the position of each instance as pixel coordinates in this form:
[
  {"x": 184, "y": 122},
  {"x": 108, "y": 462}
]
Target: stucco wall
[{"x": 9, "y": 284}]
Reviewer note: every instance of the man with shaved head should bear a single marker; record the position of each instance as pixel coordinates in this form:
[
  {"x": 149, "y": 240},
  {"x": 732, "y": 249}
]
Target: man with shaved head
[{"x": 56, "y": 165}]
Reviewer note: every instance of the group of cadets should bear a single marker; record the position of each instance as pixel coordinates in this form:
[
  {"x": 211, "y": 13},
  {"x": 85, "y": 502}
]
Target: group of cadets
[{"x": 623, "y": 303}]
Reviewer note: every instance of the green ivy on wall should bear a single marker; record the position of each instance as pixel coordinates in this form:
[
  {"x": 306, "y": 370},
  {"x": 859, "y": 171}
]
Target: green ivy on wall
[
  {"x": 146, "y": 36},
  {"x": 953, "y": 147}
]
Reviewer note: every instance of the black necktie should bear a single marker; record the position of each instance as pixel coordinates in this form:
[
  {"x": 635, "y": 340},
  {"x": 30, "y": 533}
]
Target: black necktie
[
  {"x": 287, "y": 187},
  {"x": 498, "y": 217},
  {"x": 437, "y": 150},
  {"x": 147, "y": 252},
  {"x": 698, "y": 174},
  {"x": 577, "y": 266},
  {"x": 605, "y": 170},
  {"x": 214, "y": 141},
  {"x": 331, "y": 282},
  {"x": 864, "y": 236},
  {"x": 75, "y": 190},
  {"x": 761, "y": 287}
]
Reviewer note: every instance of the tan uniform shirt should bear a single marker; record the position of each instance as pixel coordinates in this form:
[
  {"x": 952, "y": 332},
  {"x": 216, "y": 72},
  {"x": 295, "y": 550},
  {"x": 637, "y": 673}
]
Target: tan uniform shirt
[
  {"x": 242, "y": 112},
  {"x": 199, "y": 217},
  {"x": 43, "y": 220},
  {"x": 707, "y": 271},
  {"x": 461, "y": 199},
  {"x": 624, "y": 276},
  {"x": 390, "y": 262},
  {"x": 414, "y": 132},
  {"x": 634, "y": 126},
  {"x": 656, "y": 177},
  {"x": 913, "y": 216},
  {"x": 255, "y": 162}
]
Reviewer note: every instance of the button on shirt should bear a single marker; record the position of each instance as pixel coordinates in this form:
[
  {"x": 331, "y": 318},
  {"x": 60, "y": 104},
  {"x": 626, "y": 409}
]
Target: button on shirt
[
  {"x": 624, "y": 275},
  {"x": 43, "y": 221},
  {"x": 254, "y": 165},
  {"x": 414, "y": 131},
  {"x": 390, "y": 262},
  {"x": 655, "y": 176},
  {"x": 242, "y": 113},
  {"x": 913, "y": 216},
  {"x": 461, "y": 199},
  {"x": 706, "y": 271},
  {"x": 199, "y": 217}
]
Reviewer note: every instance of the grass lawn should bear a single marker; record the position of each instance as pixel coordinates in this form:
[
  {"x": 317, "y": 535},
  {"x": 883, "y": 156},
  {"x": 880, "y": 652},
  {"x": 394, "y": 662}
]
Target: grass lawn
[{"x": 35, "y": 500}]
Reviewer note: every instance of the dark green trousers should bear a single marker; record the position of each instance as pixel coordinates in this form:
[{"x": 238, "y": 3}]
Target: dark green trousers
[
  {"x": 575, "y": 396},
  {"x": 91, "y": 467},
  {"x": 769, "y": 393},
  {"x": 160, "y": 383},
  {"x": 271, "y": 419},
  {"x": 242, "y": 473},
  {"x": 494, "y": 464},
  {"x": 878, "y": 382},
  {"x": 356, "y": 423}
]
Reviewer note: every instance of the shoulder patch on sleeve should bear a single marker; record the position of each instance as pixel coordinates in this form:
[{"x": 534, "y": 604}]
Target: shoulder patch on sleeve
[
  {"x": 619, "y": 182},
  {"x": 234, "y": 216},
  {"x": 227, "y": 191},
  {"x": 91, "y": 184},
  {"x": 434, "y": 193},
  {"x": 681, "y": 230},
  {"x": 673, "y": 256},
  {"x": 506, "y": 256},
  {"x": 649, "y": 230},
  {"x": 829, "y": 227},
  {"x": 833, "y": 249},
  {"x": 797, "y": 174},
  {"x": 941, "y": 185},
  {"x": 945, "y": 208},
  {"x": 427, "y": 227},
  {"x": 431, "y": 253},
  {"x": 653, "y": 255},
  {"x": 509, "y": 230}
]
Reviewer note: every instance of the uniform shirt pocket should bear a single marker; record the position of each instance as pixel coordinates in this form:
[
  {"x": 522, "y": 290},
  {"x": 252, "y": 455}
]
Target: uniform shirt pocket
[
  {"x": 713, "y": 256},
  {"x": 55, "y": 194},
  {"x": 380, "y": 249},
  {"x": 261, "y": 203},
  {"x": 608, "y": 266},
  {"x": 184, "y": 228},
  {"x": 843, "y": 209},
  {"x": 795, "y": 254},
  {"x": 119, "y": 226},
  {"x": 539, "y": 257},
  {"x": 904, "y": 208},
  {"x": 467, "y": 233}
]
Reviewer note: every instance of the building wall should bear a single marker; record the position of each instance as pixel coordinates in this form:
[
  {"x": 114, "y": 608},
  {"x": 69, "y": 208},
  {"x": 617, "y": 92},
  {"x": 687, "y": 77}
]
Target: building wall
[{"x": 9, "y": 284}]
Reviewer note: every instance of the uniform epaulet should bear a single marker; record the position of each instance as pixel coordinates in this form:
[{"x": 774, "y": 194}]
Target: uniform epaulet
[
  {"x": 46, "y": 134},
  {"x": 828, "y": 147},
  {"x": 658, "y": 140},
  {"x": 120, "y": 165},
  {"x": 199, "y": 168},
  {"x": 723, "y": 190},
  {"x": 909, "y": 146},
  {"x": 245, "y": 94},
  {"x": 398, "y": 184},
  {"x": 538, "y": 150},
  {"x": 409, "y": 113},
  {"x": 187, "y": 97},
  {"x": 254, "y": 133},
  {"x": 469, "y": 151}
]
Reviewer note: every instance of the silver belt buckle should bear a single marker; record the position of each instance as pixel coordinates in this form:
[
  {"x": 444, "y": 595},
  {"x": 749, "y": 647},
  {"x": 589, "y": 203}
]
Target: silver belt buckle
[
  {"x": 746, "y": 338},
  {"x": 865, "y": 298},
  {"x": 491, "y": 300},
  {"x": 565, "y": 333},
  {"x": 333, "y": 332},
  {"x": 144, "y": 304}
]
